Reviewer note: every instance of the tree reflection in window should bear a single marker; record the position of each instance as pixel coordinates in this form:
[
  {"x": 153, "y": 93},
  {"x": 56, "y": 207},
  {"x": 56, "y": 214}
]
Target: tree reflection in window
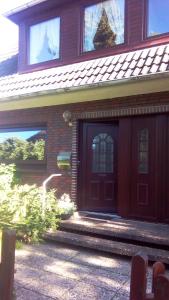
[
  {"x": 104, "y": 25},
  {"x": 103, "y": 154},
  {"x": 143, "y": 141},
  {"x": 22, "y": 143}
]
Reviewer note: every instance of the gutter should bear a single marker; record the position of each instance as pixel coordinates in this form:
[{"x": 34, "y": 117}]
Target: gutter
[{"x": 8, "y": 13}]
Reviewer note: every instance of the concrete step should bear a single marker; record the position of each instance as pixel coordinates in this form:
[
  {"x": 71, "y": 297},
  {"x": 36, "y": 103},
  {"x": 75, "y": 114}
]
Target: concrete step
[
  {"x": 108, "y": 246},
  {"x": 142, "y": 232}
]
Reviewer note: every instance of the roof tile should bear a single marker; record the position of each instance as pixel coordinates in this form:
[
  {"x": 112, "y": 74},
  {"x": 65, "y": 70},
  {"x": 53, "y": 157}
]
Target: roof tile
[
  {"x": 117, "y": 67},
  {"x": 90, "y": 72},
  {"x": 88, "y": 65},
  {"x": 133, "y": 64},
  {"x": 117, "y": 58},
  {"x": 136, "y": 72},
  {"x": 165, "y": 58},
  {"x": 110, "y": 68},
  {"x": 98, "y": 78},
  {"x": 127, "y": 65},
  {"x": 110, "y": 60},
  {"x": 149, "y": 61},
  {"x": 128, "y": 73},
  {"x": 167, "y": 49},
  {"x": 160, "y": 50},
  {"x": 103, "y": 70},
  {"x": 157, "y": 60},
  {"x": 121, "y": 59},
  {"x": 163, "y": 67},
  {"x": 154, "y": 68},
  {"x": 120, "y": 74},
  {"x": 140, "y": 63},
  {"x": 91, "y": 79},
  {"x": 97, "y": 71},
  {"x": 144, "y": 53},
  {"x": 129, "y": 57},
  {"x": 137, "y": 54},
  {"x": 152, "y": 52},
  {"x": 113, "y": 75},
  {"x": 105, "y": 77}
]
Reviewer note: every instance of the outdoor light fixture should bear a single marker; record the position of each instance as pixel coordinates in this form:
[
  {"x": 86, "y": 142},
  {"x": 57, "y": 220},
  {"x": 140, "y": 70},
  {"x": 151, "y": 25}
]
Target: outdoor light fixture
[{"x": 67, "y": 116}]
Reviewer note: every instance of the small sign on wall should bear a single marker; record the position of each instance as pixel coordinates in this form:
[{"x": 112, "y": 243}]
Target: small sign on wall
[{"x": 64, "y": 160}]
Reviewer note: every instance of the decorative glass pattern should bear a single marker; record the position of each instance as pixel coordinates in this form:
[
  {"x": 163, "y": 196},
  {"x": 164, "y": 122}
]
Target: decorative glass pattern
[
  {"x": 104, "y": 25},
  {"x": 143, "y": 142},
  {"x": 44, "y": 41},
  {"x": 103, "y": 154},
  {"x": 158, "y": 22}
]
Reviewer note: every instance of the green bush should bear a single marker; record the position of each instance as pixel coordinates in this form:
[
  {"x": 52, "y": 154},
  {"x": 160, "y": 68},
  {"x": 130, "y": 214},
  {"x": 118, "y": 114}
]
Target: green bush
[{"x": 21, "y": 206}]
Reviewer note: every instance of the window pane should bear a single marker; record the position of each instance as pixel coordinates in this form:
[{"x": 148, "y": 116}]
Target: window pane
[
  {"x": 158, "y": 21},
  {"x": 44, "y": 41},
  {"x": 22, "y": 144},
  {"x": 143, "y": 151},
  {"x": 104, "y": 25},
  {"x": 103, "y": 154}
]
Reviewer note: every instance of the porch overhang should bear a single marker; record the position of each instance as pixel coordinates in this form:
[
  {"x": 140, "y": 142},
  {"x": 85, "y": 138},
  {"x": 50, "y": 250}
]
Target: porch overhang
[{"x": 100, "y": 91}]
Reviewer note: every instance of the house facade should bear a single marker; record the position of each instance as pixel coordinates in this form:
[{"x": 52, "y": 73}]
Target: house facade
[{"x": 92, "y": 81}]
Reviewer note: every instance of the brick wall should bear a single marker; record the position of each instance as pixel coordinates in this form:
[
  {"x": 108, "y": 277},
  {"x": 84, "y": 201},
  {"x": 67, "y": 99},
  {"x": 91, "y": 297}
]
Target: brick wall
[{"x": 59, "y": 134}]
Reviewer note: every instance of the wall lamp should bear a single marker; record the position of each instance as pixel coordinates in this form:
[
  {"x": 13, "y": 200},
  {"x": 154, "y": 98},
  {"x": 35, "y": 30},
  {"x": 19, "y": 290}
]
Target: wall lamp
[{"x": 67, "y": 116}]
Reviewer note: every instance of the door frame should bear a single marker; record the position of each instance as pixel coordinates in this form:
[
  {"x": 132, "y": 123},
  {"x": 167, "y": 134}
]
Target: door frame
[
  {"x": 80, "y": 160},
  {"x": 124, "y": 163}
]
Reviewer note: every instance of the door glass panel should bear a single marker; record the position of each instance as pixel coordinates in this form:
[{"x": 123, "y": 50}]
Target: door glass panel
[
  {"x": 143, "y": 151},
  {"x": 103, "y": 154}
]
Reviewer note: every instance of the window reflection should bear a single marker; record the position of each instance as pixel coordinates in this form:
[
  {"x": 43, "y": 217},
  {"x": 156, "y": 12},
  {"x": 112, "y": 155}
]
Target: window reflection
[
  {"x": 44, "y": 41},
  {"x": 104, "y": 25},
  {"x": 22, "y": 143},
  {"x": 158, "y": 17}
]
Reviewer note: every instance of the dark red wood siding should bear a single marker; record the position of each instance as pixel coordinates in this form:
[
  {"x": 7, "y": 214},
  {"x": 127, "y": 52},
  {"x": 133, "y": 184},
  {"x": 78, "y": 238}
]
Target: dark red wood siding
[{"x": 71, "y": 13}]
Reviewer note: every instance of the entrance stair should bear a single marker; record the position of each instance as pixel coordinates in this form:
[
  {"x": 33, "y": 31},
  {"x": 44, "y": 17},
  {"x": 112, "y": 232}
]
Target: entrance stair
[{"x": 115, "y": 235}]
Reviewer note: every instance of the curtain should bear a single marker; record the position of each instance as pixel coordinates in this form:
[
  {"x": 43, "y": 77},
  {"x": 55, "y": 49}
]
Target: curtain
[
  {"x": 115, "y": 13},
  {"x": 44, "y": 41}
]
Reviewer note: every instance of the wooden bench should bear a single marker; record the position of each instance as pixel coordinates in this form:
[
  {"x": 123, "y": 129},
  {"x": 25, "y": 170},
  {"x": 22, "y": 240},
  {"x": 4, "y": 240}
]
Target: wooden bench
[
  {"x": 7, "y": 265},
  {"x": 138, "y": 286}
]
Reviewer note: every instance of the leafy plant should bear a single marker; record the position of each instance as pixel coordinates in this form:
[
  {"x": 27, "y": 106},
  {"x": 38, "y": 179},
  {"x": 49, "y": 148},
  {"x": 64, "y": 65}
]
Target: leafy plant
[
  {"x": 65, "y": 205},
  {"x": 21, "y": 206}
]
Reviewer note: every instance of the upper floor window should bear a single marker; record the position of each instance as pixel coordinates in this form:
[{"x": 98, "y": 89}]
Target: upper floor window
[
  {"x": 104, "y": 25},
  {"x": 44, "y": 41},
  {"x": 158, "y": 21}
]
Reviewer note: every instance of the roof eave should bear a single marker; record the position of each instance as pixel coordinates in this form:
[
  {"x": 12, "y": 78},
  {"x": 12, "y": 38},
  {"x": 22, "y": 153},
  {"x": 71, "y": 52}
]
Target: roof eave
[{"x": 21, "y": 8}]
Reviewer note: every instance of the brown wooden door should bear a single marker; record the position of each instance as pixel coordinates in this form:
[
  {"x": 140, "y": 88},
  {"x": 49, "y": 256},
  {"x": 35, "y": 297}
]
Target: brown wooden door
[
  {"x": 99, "y": 167},
  {"x": 143, "y": 203},
  {"x": 165, "y": 197}
]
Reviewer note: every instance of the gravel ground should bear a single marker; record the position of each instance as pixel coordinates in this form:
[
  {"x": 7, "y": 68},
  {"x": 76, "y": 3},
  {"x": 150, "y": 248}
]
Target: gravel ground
[{"x": 52, "y": 271}]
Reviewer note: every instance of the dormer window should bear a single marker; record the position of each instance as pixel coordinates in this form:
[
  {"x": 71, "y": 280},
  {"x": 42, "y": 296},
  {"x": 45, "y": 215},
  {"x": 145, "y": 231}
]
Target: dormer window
[
  {"x": 158, "y": 21},
  {"x": 104, "y": 25},
  {"x": 44, "y": 40}
]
